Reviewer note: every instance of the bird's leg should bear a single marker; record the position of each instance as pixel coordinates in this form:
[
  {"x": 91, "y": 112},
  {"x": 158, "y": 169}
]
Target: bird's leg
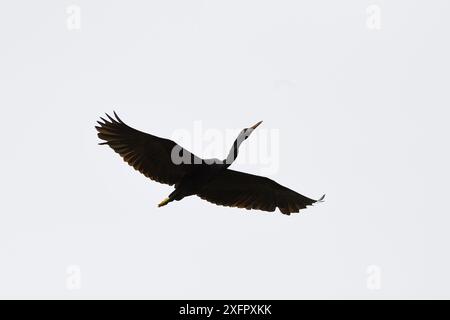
[
  {"x": 164, "y": 202},
  {"x": 175, "y": 195}
]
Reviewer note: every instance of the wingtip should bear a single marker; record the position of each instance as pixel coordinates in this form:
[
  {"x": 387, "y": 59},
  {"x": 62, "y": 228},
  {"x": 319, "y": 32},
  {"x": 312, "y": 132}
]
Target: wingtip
[
  {"x": 321, "y": 199},
  {"x": 110, "y": 119},
  {"x": 117, "y": 117}
]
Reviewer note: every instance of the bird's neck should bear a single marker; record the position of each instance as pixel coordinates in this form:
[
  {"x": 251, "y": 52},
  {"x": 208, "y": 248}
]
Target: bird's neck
[{"x": 232, "y": 155}]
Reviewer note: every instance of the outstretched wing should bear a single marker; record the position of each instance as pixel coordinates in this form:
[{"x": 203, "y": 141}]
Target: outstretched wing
[
  {"x": 148, "y": 154},
  {"x": 238, "y": 189}
]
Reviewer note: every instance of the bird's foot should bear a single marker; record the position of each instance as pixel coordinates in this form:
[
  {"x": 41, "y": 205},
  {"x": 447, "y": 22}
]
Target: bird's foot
[{"x": 164, "y": 202}]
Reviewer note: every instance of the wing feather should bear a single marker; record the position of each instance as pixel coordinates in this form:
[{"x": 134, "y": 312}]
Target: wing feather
[
  {"x": 148, "y": 154},
  {"x": 238, "y": 189}
]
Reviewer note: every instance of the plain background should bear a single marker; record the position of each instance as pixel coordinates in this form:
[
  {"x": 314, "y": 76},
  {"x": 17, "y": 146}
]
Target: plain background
[{"x": 362, "y": 116}]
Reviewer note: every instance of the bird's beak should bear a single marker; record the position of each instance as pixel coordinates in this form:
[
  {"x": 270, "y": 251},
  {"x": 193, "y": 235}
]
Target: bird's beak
[{"x": 256, "y": 125}]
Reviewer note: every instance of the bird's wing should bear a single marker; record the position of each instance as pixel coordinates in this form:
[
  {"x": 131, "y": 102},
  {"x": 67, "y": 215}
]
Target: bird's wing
[
  {"x": 150, "y": 155},
  {"x": 238, "y": 189}
]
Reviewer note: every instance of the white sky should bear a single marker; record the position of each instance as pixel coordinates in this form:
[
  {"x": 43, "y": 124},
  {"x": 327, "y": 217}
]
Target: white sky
[{"x": 362, "y": 115}]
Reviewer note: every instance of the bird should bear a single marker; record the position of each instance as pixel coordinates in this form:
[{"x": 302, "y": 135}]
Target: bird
[{"x": 164, "y": 161}]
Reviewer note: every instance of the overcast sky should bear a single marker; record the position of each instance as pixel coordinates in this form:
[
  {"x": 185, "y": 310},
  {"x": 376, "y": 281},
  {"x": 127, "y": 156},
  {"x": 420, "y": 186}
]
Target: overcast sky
[{"x": 354, "y": 96}]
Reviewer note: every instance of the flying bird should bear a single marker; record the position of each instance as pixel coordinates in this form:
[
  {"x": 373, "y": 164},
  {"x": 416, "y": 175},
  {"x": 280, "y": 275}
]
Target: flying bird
[{"x": 164, "y": 161}]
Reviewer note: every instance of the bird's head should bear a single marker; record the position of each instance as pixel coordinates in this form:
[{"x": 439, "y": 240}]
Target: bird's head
[
  {"x": 243, "y": 135},
  {"x": 248, "y": 131}
]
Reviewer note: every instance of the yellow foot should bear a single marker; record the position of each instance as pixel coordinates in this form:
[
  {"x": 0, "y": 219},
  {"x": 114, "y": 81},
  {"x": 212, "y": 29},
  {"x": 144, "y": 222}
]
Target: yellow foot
[{"x": 164, "y": 202}]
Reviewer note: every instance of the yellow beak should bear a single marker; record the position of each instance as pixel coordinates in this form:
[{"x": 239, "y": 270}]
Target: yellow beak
[{"x": 256, "y": 125}]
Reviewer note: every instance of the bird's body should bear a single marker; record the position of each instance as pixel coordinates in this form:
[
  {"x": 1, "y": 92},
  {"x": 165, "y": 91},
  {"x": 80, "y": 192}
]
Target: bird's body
[
  {"x": 165, "y": 161},
  {"x": 194, "y": 181}
]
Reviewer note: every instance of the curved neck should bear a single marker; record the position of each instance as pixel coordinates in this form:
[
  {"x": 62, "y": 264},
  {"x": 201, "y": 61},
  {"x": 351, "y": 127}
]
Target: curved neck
[{"x": 232, "y": 155}]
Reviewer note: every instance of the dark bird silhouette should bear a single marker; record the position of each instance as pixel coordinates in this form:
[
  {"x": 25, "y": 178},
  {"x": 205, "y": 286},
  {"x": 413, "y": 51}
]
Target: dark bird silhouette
[{"x": 164, "y": 161}]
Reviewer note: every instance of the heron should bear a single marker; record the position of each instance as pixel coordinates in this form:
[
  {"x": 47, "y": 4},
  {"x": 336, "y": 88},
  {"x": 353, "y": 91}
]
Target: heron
[{"x": 165, "y": 161}]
